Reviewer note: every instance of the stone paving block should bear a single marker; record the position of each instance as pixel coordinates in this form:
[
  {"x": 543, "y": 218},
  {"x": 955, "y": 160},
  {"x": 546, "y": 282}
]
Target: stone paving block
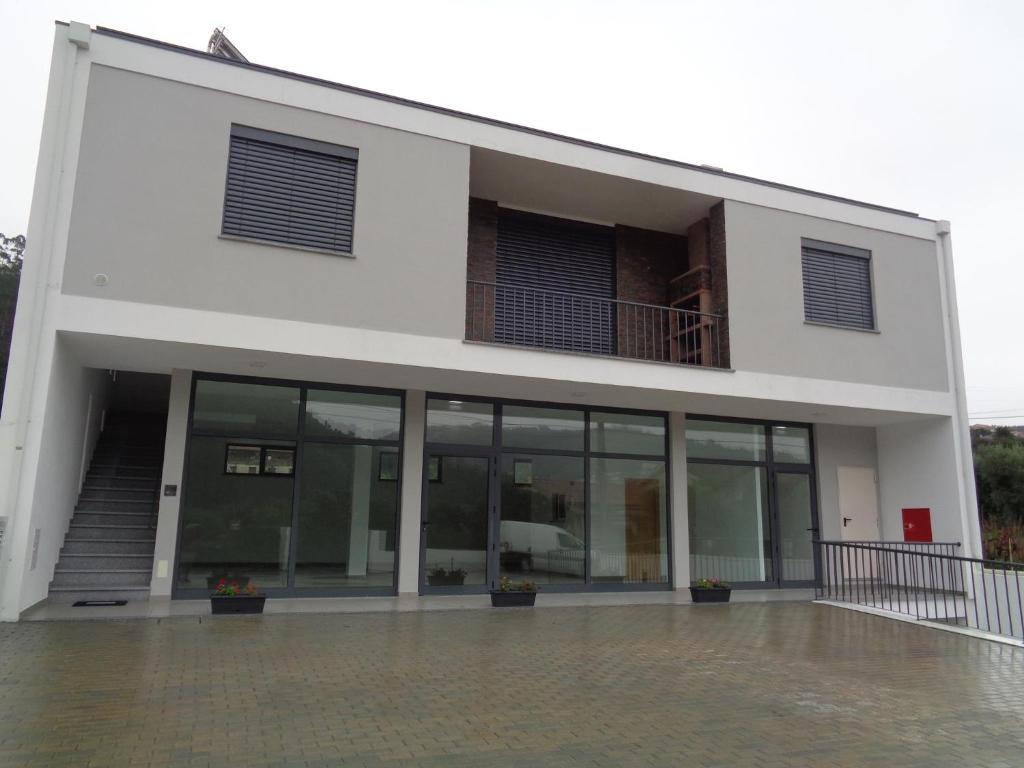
[{"x": 766, "y": 685}]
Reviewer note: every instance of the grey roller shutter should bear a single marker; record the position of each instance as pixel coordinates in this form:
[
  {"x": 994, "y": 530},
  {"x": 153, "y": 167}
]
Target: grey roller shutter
[
  {"x": 837, "y": 286},
  {"x": 555, "y": 280},
  {"x": 289, "y": 190}
]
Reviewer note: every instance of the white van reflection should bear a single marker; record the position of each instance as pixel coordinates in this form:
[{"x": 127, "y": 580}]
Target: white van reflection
[{"x": 538, "y": 547}]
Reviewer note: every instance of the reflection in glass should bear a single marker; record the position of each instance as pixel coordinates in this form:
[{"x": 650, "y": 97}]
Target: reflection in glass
[
  {"x": 234, "y": 526},
  {"x": 245, "y": 409},
  {"x": 627, "y": 433},
  {"x": 551, "y": 428},
  {"x": 456, "y": 531},
  {"x": 724, "y": 440},
  {"x": 542, "y": 521},
  {"x": 628, "y": 527},
  {"x": 791, "y": 445},
  {"x": 728, "y": 513},
  {"x": 460, "y": 422},
  {"x": 360, "y": 415},
  {"x": 347, "y": 515},
  {"x": 795, "y": 517}
]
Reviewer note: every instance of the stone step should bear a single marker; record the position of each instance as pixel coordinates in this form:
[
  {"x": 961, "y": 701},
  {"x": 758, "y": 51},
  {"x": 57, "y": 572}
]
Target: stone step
[
  {"x": 101, "y": 517},
  {"x": 112, "y": 545},
  {"x": 93, "y": 482},
  {"x": 74, "y": 594},
  {"x": 122, "y": 470},
  {"x": 80, "y": 531},
  {"x": 111, "y": 493},
  {"x": 104, "y": 561},
  {"x": 84, "y": 578},
  {"x": 116, "y": 505}
]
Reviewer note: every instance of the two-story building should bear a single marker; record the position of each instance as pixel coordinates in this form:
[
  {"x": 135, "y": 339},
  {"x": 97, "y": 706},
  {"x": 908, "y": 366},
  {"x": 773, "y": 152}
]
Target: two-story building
[{"x": 337, "y": 343}]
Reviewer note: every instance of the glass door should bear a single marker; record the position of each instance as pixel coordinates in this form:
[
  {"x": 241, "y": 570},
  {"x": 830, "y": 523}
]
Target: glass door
[
  {"x": 795, "y": 521},
  {"x": 456, "y": 523}
]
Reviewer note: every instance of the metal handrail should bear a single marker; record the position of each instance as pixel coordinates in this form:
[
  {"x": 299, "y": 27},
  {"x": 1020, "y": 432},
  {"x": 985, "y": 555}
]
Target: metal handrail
[
  {"x": 572, "y": 294},
  {"x": 522, "y": 315},
  {"x": 913, "y": 579}
]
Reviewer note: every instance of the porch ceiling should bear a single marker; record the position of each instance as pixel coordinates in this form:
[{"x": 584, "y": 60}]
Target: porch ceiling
[
  {"x": 577, "y": 193},
  {"x": 149, "y": 356}
]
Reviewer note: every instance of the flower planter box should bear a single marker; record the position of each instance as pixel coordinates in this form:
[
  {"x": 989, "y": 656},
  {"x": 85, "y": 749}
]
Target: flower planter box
[
  {"x": 513, "y": 599},
  {"x": 224, "y": 604},
  {"x": 701, "y": 595}
]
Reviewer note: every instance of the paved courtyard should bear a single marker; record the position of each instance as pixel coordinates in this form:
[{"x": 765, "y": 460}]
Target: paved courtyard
[{"x": 775, "y": 684}]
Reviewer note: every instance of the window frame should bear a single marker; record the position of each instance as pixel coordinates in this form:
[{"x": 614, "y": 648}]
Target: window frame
[
  {"x": 837, "y": 249},
  {"x": 300, "y": 143}
]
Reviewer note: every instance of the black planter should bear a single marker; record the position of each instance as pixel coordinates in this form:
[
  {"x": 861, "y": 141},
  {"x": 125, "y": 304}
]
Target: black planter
[
  {"x": 445, "y": 581},
  {"x": 513, "y": 599},
  {"x": 223, "y": 604},
  {"x": 704, "y": 595}
]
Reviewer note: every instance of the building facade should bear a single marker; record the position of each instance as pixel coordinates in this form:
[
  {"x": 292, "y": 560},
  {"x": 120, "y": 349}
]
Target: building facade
[{"x": 332, "y": 342}]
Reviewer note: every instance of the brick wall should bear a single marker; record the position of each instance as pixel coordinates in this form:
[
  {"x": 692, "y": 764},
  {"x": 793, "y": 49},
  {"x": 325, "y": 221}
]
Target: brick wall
[
  {"x": 645, "y": 261},
  {"x": 481, "y": 261},
  {"x": 719, "y": 277}
]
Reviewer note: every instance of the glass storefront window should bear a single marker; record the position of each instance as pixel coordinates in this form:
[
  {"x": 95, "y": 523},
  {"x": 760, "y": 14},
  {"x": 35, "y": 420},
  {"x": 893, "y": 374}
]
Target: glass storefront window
[
  {"x": 234, "y": 526},
  {"x": 543, "y": 526},
  {"x": 456, "y": 532},
  {"x": 628, "y": 523},
  {"x": 791, "y": 445},
  {"x": 346, "y": 520},
  {"x": 360, "y": 415},
  {"x": 244, "y": 519},
  {"x": 460, "y": 422},
  {"x": 544, "y": 428},
  {"x": 724, "y": 440},
  {"x": 627, "y": 433},
  {"x": 728, "y": 520},
  {"x": 241, "y": 409}
]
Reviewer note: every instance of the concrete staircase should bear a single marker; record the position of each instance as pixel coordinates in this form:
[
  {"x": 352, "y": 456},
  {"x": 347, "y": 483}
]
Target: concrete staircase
[{"x": 108, "y": 550}]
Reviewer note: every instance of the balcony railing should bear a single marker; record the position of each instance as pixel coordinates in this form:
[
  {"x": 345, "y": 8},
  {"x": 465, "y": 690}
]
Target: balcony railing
[
  {"x": 926, "y": 581},
  {"x": 575, "y": 322}
]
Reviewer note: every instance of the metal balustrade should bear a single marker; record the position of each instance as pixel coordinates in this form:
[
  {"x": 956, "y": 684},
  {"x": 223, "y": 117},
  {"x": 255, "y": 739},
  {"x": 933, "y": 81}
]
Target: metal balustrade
[
  {"x": 927, "y": 581},
  {"x": 573, "y": 322}
]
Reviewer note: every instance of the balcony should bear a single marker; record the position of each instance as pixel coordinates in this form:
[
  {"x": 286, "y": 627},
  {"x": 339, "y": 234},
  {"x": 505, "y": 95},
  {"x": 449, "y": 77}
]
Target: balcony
[{"x": 575, "y": 322}]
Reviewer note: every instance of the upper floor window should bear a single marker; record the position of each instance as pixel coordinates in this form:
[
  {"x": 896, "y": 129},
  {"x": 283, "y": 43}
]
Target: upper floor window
[
  {"x": 290, "y": 190},
  {"x": 837, "y": 285}
]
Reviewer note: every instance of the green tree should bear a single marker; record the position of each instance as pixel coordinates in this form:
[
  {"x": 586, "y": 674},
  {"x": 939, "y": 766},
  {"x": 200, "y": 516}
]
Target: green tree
[{"x": 12, "y": 251}]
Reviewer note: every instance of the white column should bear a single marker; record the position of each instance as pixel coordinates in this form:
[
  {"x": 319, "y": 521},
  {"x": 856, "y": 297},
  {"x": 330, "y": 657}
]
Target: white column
[
  {"x": 412, "y": 487},
  {"x": 680, "y": 518},
  {"x": 359, "y": 526},
  {"x": 173, "y": 471}
]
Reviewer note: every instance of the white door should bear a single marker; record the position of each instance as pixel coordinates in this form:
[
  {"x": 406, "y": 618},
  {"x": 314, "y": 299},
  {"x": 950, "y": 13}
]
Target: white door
[{"x": 858, "y": 504}]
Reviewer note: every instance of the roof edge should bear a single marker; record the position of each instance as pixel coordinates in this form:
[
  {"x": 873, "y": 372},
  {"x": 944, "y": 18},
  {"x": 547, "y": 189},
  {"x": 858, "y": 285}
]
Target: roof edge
[{"x": 495, "y": 122}]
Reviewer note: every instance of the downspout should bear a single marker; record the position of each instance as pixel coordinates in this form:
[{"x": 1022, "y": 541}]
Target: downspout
[{"x": 961, "y": 426}]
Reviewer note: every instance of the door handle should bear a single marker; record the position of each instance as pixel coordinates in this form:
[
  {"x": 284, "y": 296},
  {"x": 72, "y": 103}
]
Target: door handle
[
  {"x": 815, "y": 530},
  {"x": 424, "y": 524},
  {"x": 846, "y": 520}
]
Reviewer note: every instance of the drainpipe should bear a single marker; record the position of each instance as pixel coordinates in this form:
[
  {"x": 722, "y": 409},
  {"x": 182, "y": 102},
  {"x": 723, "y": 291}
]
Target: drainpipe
[{"x": 961, "y": 427}]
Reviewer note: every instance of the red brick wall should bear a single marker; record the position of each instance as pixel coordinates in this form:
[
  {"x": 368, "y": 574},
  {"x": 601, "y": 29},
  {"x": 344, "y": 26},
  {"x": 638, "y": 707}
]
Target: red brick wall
[
  {"x": 481, "y": 263},
  {"x": 645, "y": 261},
  {"x": 719, "y": 277}
]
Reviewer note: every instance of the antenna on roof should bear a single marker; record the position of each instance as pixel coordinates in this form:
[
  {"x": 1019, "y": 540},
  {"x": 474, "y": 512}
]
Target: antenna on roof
[{"x": 219, "y": 45}]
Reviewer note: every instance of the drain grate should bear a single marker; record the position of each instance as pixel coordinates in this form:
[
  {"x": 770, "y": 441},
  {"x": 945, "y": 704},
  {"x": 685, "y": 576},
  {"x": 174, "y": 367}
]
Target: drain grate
[{"x": 98, "y": 603}]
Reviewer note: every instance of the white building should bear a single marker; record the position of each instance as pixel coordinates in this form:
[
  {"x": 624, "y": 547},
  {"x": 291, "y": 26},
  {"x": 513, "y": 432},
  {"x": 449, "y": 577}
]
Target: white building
[{"x": 334, "y": 342}]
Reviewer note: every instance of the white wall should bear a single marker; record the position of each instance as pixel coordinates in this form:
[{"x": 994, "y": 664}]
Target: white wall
[
  {"x": 917, "y": 467},
  {"x": 839, "y": 446},
  {"x": 75, "y": 401},
  {"x": 679, "y": 502},
  {"x": 410, "y": 514},
  {"x": 767, "y": 332},
  {"x": 171, "y": 474},
  {"x": 155, "y": 152}
]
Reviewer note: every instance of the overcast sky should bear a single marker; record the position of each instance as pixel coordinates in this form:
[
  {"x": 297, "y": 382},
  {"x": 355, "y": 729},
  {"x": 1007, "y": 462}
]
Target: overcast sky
[{"x": 916, "y": 105}]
